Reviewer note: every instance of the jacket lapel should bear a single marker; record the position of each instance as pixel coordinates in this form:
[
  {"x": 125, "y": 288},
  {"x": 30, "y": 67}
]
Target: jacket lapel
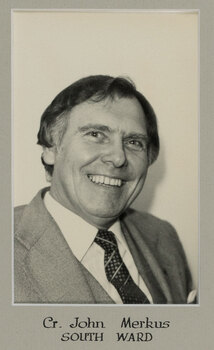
[
  {"x": 54, "y": 271},
  {"x": 147, "y": 265},
  {"x": 59, "y": 277}
]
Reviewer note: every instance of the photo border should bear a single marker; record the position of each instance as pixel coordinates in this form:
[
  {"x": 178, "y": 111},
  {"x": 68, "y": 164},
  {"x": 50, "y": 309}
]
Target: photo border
[{"x": 188, "y": 325}]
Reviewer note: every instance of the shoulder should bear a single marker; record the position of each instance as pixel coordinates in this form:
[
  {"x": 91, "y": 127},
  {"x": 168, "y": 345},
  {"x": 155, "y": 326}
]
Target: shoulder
[
  {"x": 30, "y": 220},
  {"x": 18, "y": 212},
  {"x": 159, "y": 235},
  {"x": 28, "y": 225},
  {"x": 149, "y": 224},
  {"x": 34, "y": 208}
]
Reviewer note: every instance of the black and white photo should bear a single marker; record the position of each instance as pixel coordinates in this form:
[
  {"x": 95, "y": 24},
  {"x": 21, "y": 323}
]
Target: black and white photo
[{"x": 123, "y": 126}]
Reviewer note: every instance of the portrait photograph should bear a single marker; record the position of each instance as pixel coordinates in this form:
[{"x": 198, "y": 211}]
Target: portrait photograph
[
  {"x": 106, "y": 174},
  {"x": 105, "y": 157}
]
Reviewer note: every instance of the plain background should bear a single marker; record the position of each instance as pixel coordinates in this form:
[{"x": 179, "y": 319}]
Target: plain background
[{"x": 159, "y": 51}]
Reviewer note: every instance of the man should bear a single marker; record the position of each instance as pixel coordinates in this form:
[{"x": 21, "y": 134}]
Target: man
[{"x": 78, "y": 241}]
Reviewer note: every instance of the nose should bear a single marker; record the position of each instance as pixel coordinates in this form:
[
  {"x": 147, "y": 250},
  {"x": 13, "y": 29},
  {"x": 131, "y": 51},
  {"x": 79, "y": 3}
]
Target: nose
[{"x": 115, "y": 154}]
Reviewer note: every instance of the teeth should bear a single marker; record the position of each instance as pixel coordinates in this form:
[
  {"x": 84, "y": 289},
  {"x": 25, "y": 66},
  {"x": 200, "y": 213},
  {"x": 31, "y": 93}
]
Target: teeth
[
  {"x": 100, "y": 179},
  {"x": 106, "y": 181},
  {"x": 113, "y": 182}
]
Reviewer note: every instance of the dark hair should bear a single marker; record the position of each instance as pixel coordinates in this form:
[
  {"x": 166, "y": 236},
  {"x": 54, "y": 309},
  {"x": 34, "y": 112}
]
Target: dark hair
[{"x": 95, "y": 88}]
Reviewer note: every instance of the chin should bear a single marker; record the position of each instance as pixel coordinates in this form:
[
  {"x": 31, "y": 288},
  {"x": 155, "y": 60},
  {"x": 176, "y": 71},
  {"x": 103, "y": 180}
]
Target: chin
[{"x": 109, "y": 213}]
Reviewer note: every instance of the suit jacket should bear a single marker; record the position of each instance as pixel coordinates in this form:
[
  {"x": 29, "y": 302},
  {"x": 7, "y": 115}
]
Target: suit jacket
[{"x": 46, "y": 271}]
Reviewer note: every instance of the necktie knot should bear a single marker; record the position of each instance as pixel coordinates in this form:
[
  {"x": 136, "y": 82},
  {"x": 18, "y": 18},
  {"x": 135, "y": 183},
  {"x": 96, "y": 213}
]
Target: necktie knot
[{"x": 106, "y": 240}]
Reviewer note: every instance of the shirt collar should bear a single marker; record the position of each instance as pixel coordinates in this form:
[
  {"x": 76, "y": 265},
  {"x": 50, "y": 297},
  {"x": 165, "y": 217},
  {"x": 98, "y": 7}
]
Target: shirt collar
[{"x": 78, "y": 233}]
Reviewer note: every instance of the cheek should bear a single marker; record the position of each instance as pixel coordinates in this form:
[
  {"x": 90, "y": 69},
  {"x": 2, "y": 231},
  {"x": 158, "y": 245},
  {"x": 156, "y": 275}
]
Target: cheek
[
  {"x": 139, "y": 166},
  {"x": 81, "y": 154}
]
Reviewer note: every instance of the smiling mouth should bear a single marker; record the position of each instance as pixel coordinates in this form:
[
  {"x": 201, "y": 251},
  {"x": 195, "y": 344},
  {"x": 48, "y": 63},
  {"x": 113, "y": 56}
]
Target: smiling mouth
[{"x": 105, "y": 180}]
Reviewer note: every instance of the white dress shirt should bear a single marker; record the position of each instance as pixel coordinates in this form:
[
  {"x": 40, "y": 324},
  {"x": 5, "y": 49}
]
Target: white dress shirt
[{"x": 80, "y": 236}]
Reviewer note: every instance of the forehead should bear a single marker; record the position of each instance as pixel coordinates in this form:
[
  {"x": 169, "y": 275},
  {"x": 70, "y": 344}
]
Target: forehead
[{"x": 121, "y": 113}]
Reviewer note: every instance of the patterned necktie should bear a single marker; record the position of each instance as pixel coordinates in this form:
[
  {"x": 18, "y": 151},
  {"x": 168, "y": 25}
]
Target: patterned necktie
[{"x": 117, "y": 272}]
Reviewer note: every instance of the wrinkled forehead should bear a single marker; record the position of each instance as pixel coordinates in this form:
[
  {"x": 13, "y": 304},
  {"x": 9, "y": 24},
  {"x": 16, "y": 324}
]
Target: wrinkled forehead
[{"x": 122, "y": 110}]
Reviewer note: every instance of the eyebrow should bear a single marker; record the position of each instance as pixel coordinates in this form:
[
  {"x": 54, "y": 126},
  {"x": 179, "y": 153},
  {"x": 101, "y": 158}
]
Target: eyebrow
[
  {"x": 136, "y": 136},
  {"x": 101, "y": 127}
]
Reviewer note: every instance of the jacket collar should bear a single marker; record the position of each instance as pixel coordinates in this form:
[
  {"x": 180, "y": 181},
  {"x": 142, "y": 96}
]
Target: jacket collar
[
  {"x": 147, "y": 265},
  {"x": 54, "y": 270},
  {"x": 58, "y": 275}
]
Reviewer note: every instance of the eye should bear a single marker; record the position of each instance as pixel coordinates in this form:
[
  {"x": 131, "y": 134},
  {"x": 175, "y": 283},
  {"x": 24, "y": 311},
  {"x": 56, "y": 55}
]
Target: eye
[
  {"x": 94, "y": 133},
  {"x": 135, "y": 144},
  {"x": 96, "y": 136}
]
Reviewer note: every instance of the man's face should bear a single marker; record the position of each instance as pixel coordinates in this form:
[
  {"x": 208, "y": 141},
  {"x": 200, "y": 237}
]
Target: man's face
[{"x": 101, "y": 164}]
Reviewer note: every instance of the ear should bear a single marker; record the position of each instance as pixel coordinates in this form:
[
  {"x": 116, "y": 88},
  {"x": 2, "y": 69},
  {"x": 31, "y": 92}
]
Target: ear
[{"x": 49, "y": 155}]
